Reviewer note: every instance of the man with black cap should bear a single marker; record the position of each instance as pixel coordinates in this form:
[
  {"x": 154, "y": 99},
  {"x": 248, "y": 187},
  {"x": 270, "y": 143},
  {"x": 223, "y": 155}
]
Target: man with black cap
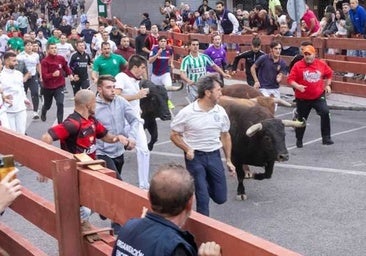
[{"x": 311, "y": 79}]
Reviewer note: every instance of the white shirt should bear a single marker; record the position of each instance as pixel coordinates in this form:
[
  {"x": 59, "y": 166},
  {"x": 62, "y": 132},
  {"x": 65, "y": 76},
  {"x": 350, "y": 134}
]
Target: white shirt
[
  {"x": 201, "y": 130},
  {"x": 129, "y": 86},
  {"x": 3, "y": 42},
  {"x": 11, "y": 81},
  {"x": 65, "y": 50},
  {"x": 30, "y": 60}
]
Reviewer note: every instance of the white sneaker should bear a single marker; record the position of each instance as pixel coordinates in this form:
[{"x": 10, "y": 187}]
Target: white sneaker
[
  {"x": 35, "y": 115},
  {"x": 349, "y": 74}
]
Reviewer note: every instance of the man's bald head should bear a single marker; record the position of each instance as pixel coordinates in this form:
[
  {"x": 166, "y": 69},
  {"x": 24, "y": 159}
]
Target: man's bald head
[
  {"x": 170, "y": 190},
  {"x": 84, "y": 97}
]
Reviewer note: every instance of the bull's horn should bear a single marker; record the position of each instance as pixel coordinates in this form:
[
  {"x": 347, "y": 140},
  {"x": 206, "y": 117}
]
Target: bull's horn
[
  {"x": 291, "y": 123},
  {"x": 282, "y": 102},
  {"x": 253, "y": 129},
  {"x": 174, "y": 88}
]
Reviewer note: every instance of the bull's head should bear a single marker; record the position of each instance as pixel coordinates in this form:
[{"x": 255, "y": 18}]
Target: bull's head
[
  {"x": 270, "y": 137},
  {"x": 156, "y": 103}
]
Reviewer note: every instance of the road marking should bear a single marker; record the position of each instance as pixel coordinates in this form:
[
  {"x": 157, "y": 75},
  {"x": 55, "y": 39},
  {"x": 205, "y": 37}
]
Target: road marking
[
  {"x": 288, "y": 166},
  {"x": 333, "y": 135},
  {"x": 320, "y": 169}
]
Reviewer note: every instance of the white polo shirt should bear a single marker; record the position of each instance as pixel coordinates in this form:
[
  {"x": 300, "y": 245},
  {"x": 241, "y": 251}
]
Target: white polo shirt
[{"x": 201, "y": 130}]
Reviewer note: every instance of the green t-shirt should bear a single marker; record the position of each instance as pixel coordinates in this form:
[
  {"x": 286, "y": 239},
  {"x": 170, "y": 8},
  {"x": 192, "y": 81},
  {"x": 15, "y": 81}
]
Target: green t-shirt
[
  {"x": 109, "y": 66},
  {"x": 16, "y": 43}
]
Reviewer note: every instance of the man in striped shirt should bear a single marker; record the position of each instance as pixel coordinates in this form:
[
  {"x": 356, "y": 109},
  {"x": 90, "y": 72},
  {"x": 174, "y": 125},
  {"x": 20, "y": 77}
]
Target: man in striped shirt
[{"x": 195, "y": 66}]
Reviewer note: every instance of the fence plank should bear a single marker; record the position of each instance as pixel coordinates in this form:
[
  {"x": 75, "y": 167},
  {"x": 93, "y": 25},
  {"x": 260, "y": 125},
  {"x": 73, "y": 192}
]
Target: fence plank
[{"x": 15, "y": 244}]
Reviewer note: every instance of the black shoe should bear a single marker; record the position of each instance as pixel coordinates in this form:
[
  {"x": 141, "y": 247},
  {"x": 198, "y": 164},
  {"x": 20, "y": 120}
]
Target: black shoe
[
  {"x": 327, "y": 141},
  {"x": 102, "y": 217},
  {"x": 43, "y": 117},
  {"x": 299, "y": 143}
]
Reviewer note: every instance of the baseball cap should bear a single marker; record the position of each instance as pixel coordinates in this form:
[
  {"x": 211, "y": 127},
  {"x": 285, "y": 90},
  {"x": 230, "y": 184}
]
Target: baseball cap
[{"x": 309, "y": 49}]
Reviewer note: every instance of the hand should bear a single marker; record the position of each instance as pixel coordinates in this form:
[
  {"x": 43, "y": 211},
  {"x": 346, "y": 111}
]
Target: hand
[
  {"x": 257, "y": 85},
  {"x": 233, "y": 72},
  {"x": 28, "y": 102},
  {"x": 209, "y": 249},
  {"x": 8, "y": 99},
  {"x": 130, "y": 145},
  {"x": 71, "y": 77},
  {"x": 159, "y": 52},
  {"x": 121, "y": 139},
  {"x": 56, "y": 73},
  {"x": 41, "y": 178},
  {"x": 228, "y": 76},
  {"x": 279, "y": 77},
  {"x": 143, "y": 93},
  {"x": 190, "y": 154},
  {"x": 231, "y": 168},
  {"x": 328, "y": 89},
  {"x": 9, "y": 190},
  {"x": 300, "y": 87}
]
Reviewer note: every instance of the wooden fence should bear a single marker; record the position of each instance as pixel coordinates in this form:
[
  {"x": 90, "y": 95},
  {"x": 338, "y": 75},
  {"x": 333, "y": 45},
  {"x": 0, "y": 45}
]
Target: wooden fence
[
  {"x": 340, "y": 63},
  {"x": 76, "y": 184}
]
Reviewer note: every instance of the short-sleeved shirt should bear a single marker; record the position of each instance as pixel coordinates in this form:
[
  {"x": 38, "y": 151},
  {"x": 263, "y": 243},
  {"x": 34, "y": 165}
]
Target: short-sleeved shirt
[
  {"x": 196, "y": 67},
  {"x": 109, "y": 66},
  {"x": 268, "y": 71},
  {"x": 30, "y": 60},
  {"x": 201, "y": 130},
  {"x": 218, "y": 55},
  {"x": 78, "y": 135},
  {"x": 161, "y": 65},
  {"x": 129, "y": 86}
]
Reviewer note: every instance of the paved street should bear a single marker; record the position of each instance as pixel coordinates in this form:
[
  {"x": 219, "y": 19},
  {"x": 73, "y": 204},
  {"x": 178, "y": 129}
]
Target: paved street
[{"x": 314, "y": 203}]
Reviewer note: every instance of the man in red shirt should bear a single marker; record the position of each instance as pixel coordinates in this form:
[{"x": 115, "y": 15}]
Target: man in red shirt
[
  {"x": 53, "y": 68},
  {"x": 79, "y": 132},
  {"x": 311, "y": 79},
  {"x": 124, "y": 49}
]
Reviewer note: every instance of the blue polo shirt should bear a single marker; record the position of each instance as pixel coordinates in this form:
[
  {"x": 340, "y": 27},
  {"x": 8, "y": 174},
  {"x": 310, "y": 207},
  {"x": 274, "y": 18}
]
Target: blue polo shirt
[{"x": 268, "y": 70}]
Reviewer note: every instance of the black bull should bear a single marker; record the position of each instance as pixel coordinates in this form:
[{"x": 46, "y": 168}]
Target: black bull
[
  {"x": 257, "y": 139},
  {"x": 155, "y": 105}
]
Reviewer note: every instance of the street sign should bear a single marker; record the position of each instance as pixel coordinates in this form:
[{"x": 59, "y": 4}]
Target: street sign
[{"x": 296, "y": 9}]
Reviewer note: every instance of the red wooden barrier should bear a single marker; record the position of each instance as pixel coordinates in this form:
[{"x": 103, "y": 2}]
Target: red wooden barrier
[{"x": 75, "y": 185}]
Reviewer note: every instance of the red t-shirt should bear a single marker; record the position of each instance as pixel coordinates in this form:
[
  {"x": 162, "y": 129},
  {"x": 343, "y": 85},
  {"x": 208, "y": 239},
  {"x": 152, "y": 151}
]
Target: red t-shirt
[{"x": 310, "y": 75}]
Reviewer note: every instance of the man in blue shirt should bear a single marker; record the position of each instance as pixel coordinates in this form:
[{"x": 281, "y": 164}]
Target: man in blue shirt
[{"x": 159, "y": 233}]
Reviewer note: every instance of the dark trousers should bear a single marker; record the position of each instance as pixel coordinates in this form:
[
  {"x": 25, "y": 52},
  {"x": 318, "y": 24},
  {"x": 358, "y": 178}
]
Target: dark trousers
[
  {"x": 58, "y": 94},
  {"x": 81, "y": 84},
  {"x": 320, "y": 105},
  {"x": 116, "y": 165},
  {"x": 209, "y": 179},
  {"x": 32, "y": 85}
]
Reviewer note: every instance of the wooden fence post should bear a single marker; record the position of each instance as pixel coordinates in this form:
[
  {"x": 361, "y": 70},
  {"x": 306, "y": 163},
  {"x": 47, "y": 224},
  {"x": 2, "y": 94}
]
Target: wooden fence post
[{"x": 67, "y": 204}]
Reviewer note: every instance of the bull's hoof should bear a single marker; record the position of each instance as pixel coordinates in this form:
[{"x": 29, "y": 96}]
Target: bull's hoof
[{"x": 241, "y": 197}]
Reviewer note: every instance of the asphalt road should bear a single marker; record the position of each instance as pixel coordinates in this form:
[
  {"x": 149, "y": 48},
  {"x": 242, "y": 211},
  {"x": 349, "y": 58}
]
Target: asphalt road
[{"x": 314, "y": 203}]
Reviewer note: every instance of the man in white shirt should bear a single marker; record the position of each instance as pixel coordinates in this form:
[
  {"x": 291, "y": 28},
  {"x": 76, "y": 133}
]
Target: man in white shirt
[
  {"x": 31, "y": 61},
  {"x": 128, "y": 86},
  {"x": 64, "y": 48},
  {"x": 11, "y": 81}
]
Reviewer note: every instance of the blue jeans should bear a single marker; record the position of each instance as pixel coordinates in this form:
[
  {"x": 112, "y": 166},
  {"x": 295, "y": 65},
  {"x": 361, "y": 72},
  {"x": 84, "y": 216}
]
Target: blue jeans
[{"x": 209, "y": 179}]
